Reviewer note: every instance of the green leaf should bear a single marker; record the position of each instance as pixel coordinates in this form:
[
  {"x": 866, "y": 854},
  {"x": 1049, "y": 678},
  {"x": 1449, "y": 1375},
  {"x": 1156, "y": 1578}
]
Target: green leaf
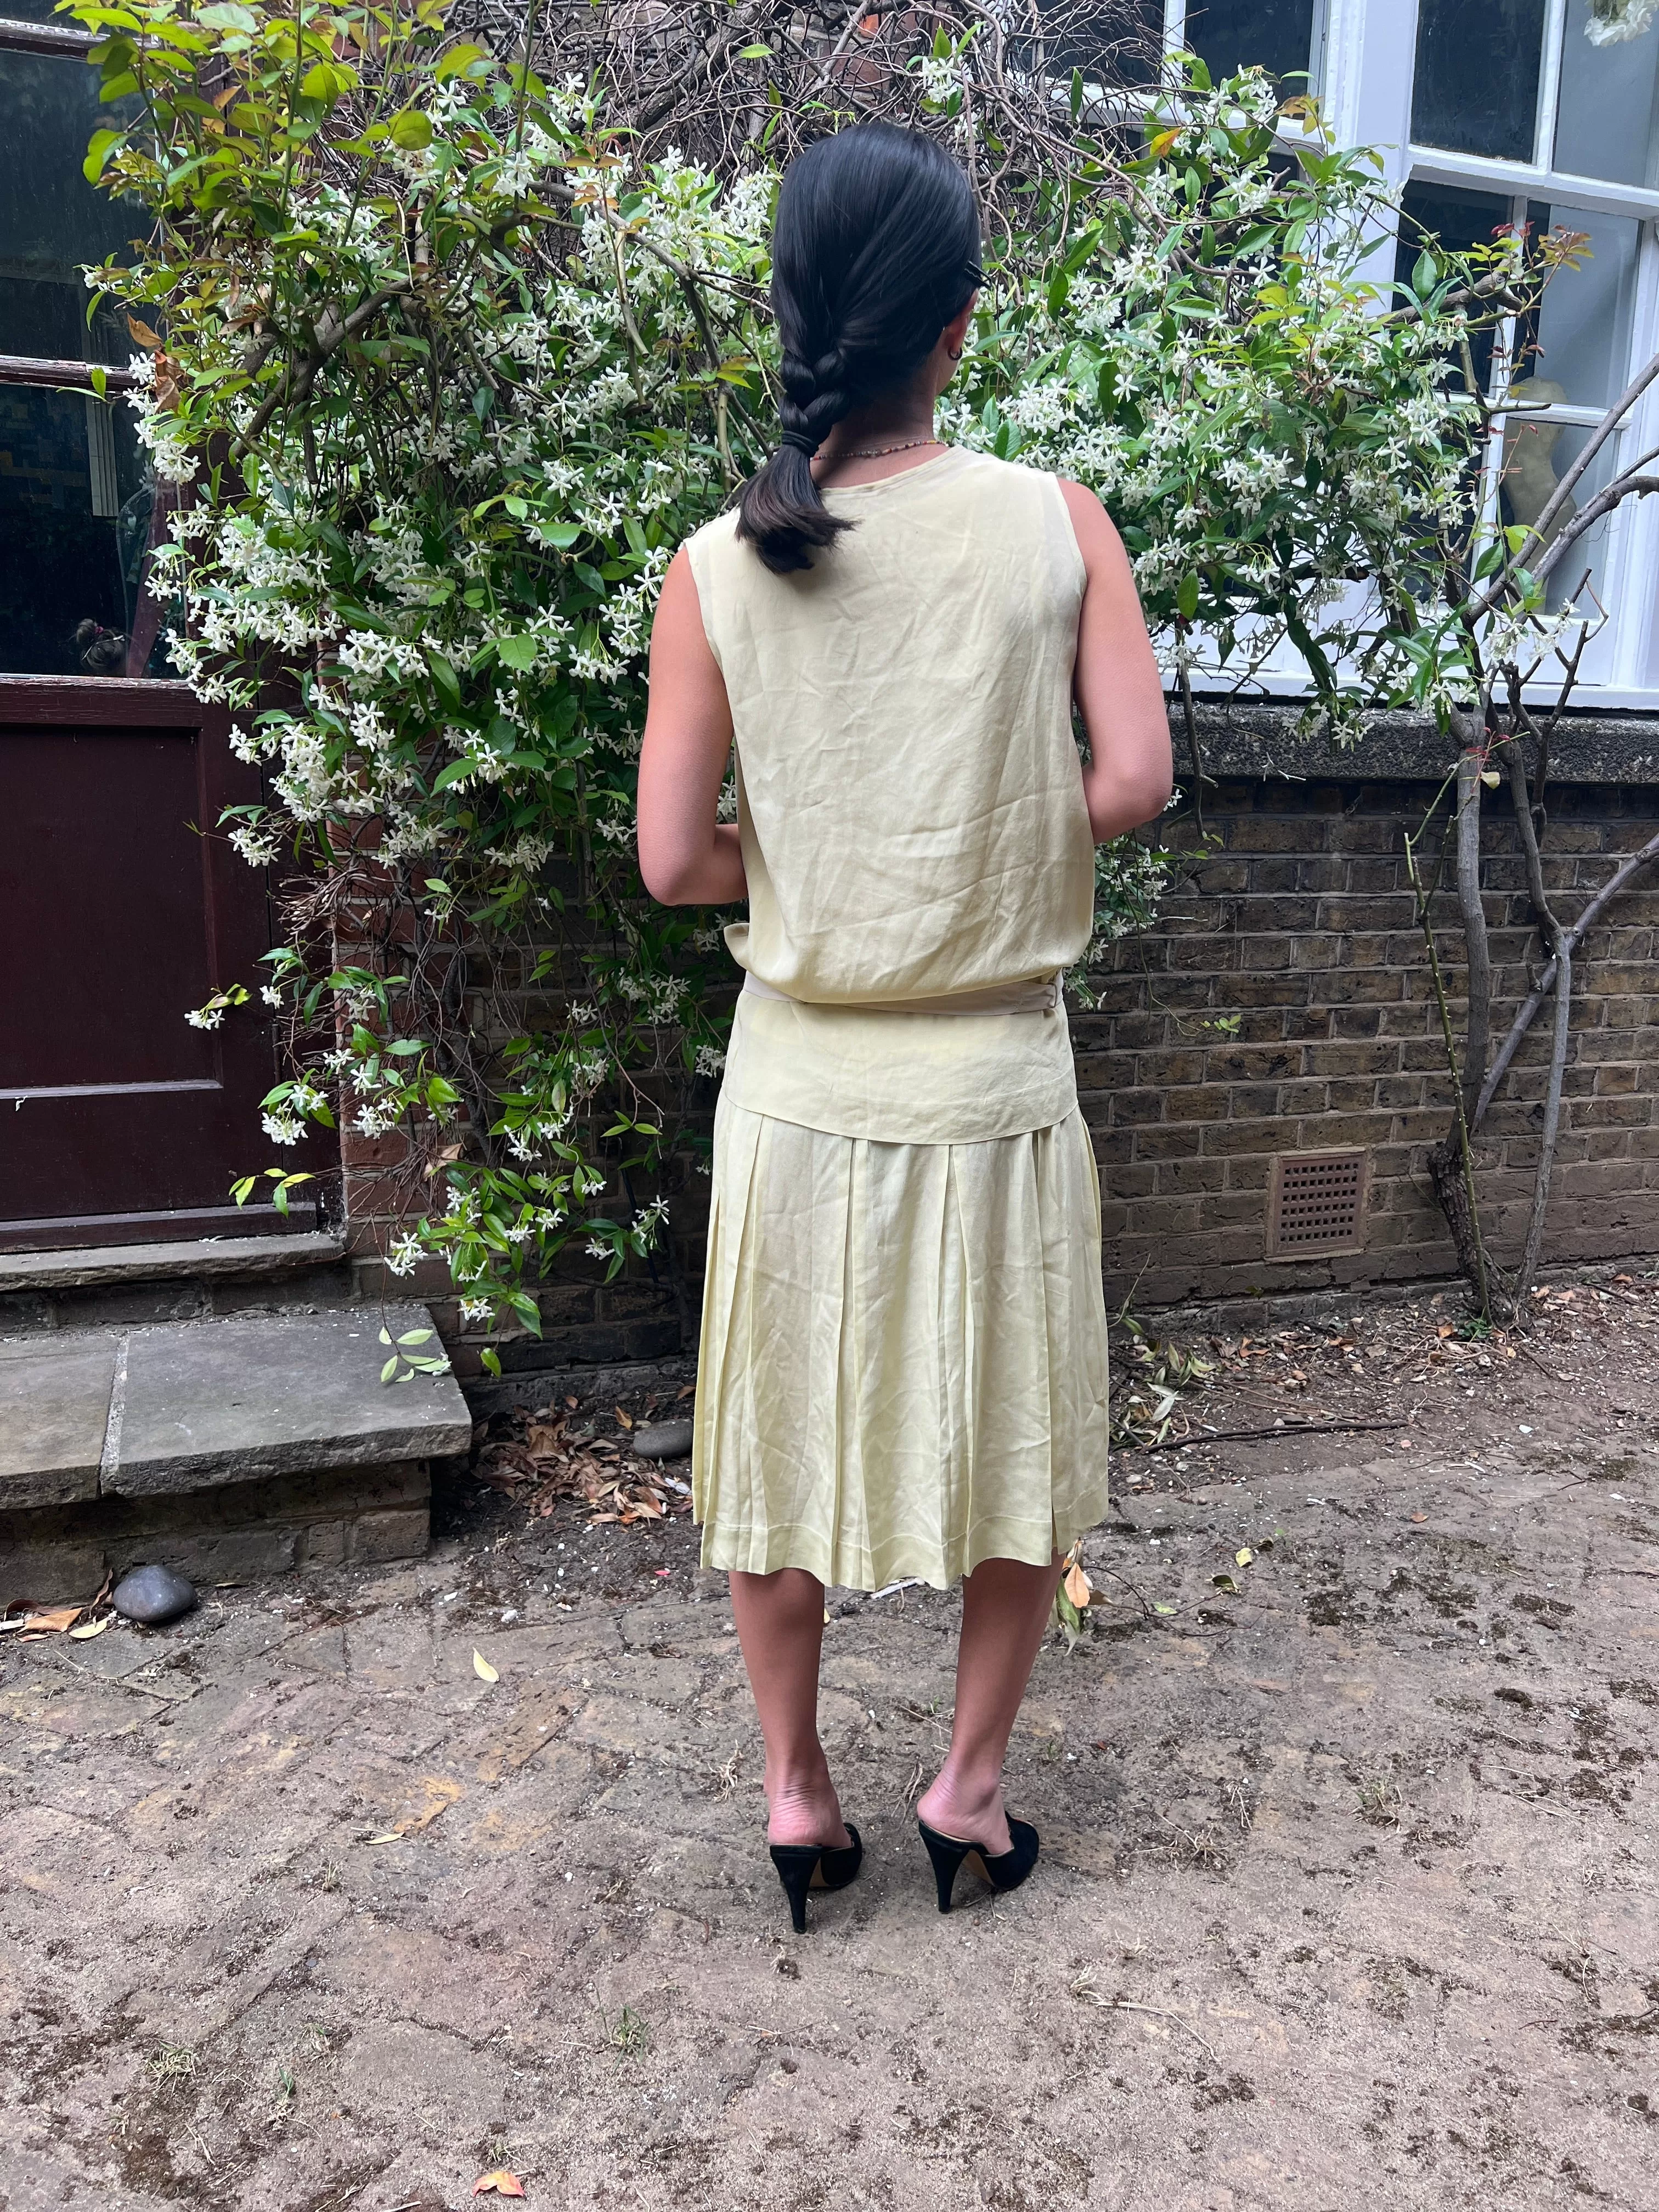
[
  {"x": 410, "y": 130},
  {"x": 518, "y": 653},
  {"x": 390, "y": 1368},
  {"x": 416, "y": 1336},
  {"x": 1187, "y": 596},
  {"x": 561, "y": 535},
  {"x": 444, "y": 676},
  {"x": 490, "y": 1361},
  {"x": 385, "y": 1336},
  {"x": 99, "y": 149}
]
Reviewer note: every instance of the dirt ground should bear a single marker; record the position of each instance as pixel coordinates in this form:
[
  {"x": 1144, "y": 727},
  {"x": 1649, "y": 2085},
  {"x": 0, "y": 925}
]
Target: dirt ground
[{"x": 1348, "y": 1893}]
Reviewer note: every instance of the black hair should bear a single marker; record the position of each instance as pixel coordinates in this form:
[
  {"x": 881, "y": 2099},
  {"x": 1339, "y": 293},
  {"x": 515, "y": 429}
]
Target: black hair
[{"x": 875, "y": 248}]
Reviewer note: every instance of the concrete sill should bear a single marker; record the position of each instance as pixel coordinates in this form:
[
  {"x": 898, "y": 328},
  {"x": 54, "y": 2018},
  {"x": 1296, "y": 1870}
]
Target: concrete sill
[{"x": 199, "y": 1260}]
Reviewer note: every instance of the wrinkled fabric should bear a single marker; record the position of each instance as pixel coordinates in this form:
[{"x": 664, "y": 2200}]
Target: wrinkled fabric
[
  {"x": 903, "y": 1357},
  {"x": 903, "y": 1369},
  {"x": 909, "y": 798}
]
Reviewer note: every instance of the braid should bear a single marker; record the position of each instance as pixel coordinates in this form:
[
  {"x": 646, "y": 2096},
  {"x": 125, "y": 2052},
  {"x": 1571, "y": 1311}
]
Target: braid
[{"x": 876, "y": 248}]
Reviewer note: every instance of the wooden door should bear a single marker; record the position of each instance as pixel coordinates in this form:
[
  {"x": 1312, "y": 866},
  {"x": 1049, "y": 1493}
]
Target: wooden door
[{"x": 124, "y": 909}]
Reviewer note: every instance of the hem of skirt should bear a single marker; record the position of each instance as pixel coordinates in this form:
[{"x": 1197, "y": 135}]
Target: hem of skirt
[{"x": 769, "y": 1551}]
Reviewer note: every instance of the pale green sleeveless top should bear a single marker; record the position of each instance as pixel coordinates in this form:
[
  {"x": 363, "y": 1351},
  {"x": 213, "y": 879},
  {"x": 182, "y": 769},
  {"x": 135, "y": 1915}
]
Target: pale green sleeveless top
[{"x": 910, "y": 802}]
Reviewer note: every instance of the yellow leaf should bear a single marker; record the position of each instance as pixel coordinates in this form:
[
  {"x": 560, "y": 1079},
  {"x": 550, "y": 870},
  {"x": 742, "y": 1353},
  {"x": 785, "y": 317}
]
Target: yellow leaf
[
  {"x": 1078, "y": 1587},
  {"x": 391, "y": 1837},
  {"x": 626, "y": 1422},
  {"x": 1243, "y": 1558},
  {"x": 91, "y": 1628},
  {"x": 482, "y": 1669}
]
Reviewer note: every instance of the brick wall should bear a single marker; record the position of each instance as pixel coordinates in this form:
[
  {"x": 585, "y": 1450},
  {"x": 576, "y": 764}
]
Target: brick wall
[{"x": 1283, "y": 1005}]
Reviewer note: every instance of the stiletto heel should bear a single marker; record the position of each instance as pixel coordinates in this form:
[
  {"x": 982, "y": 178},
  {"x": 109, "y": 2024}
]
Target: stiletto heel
[
  {"x": 1003, "y": 1869},
  {"x": 797, "y": 1864}
]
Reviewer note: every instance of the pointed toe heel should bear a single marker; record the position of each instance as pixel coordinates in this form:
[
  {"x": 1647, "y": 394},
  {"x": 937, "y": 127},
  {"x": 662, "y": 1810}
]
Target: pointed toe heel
[
  {"x": 797, "y": 1863},
  {"x": 1003, "y": 1869}
]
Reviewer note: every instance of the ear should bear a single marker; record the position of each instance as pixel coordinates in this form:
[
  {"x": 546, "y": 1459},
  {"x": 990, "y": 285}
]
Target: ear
[{"x": 954, "y": 336}]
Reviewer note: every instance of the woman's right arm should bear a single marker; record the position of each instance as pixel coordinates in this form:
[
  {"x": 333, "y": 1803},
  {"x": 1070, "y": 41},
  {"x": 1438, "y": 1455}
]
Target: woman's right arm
[
  {"x": 1119, "y": 691},
  {"x": 688, "y": 857}
]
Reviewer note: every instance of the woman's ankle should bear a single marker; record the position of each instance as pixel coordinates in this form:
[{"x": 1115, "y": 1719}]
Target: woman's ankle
[
  {"x": 966, "y": 1805},
  {"x": 802, "y": 1807}
]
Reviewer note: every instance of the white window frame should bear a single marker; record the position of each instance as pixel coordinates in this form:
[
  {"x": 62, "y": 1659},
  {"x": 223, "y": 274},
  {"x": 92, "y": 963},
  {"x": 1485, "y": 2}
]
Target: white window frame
[{"x": 1361, "y": 67}]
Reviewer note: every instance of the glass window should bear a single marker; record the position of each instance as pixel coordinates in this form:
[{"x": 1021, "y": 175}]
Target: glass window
[
  {"x": 1459, "y": 220},
  {"x": 1109, "y": 42},
  {"x": 1581, "y": 342},
  {"x": 1604, "y": 125},
  {"x": 1478, "y": 62},
  {"x": 76, "y": 501},
  {"x": 1276, "y": 35}
]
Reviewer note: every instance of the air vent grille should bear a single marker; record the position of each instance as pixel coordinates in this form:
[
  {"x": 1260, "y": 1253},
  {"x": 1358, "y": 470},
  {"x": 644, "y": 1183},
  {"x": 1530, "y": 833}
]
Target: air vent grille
[{"x": 1316, "y": 1203}]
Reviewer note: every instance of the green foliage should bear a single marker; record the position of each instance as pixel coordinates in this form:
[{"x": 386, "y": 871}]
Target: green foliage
[{"x": 437, "y": 374}]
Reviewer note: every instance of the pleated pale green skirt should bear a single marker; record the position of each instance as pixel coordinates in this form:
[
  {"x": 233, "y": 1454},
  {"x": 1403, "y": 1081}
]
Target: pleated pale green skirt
[{"x": 904, "y": 1366}]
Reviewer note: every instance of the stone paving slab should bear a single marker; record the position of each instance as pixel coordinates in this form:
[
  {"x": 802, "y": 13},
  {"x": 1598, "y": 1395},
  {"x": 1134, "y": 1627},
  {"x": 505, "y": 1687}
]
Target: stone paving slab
[
  {"x": 1348, "y": 1892},
  {"x": 54, "y": 1411},
  {"x": 237, "y": 1400}
]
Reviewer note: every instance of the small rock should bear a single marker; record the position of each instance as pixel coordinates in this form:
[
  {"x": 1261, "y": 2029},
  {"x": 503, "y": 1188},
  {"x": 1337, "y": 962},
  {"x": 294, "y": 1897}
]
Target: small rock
[
  {"x": 153, "y": 1595},
  {"x": 663, "y": 1440}
]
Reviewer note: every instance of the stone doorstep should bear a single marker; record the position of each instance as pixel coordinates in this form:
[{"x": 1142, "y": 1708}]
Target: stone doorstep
[
  {"x": 238, "y": 1533},
  {"x": 223, "y": 1423},
  {"x": 203, "y": 1258}
]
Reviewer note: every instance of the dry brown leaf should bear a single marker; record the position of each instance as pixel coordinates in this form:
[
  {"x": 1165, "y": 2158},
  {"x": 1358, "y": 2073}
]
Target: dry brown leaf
[
  {"x": 1078, "y": 1586},
  {"x": 503, "y": 2183},
  {"x": 53, "y": 1619},
  {"x": 143, "y": 335}
]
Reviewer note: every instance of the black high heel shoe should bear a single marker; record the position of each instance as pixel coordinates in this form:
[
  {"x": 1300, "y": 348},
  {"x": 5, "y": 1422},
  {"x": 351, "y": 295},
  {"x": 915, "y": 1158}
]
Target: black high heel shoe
[
  {"x": 797, "y": 1863},
  {"x": 1003, "y": 1869}
]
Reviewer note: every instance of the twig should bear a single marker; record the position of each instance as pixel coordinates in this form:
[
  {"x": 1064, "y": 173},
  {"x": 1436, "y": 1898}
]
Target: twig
[
  {"x": 1084, "y": 1989},
  {"x": 1246, "y": 1435}
]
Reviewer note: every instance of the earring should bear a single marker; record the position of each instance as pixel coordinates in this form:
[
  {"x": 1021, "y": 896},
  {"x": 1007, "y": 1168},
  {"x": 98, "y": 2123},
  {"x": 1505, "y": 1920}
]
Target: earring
[{"x": 955, "y": 352}]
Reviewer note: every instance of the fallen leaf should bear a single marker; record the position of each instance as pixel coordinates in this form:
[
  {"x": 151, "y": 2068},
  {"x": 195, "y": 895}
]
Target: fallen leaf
[
  {"x": 1166, "y": 1609},
  {"x": 391, "y": 1837},
  {"x": 482, "y": 1669},
  {"x": 54, "y": 1619},
  {"x": 1445, "y": 1330},
  {"x": 1419, "y": 1517},
  {"x": 503, "y": 2183},
  {"x": 1243, "y": 1558},
  {"x": 624, "y": 1419},
  {"x": 91, "y": 1628},
  {"x": 1078, "y": 1588},
  {"x": 1225, "y": 1583}
]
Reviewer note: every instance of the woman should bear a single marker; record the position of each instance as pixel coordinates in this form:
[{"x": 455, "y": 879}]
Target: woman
[{"x": 903, "y": 1359}]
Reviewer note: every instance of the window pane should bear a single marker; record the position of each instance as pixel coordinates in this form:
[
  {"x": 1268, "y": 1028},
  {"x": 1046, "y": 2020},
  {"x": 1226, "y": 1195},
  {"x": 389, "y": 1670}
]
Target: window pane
[
  {"x": 1276, "y": 35},
  {"x": 1459, "y": 221},
  {"x": 74, "y": 525},
  {"x": 1582, "y": 339},
  {"x": 1536, "y": 456},
  {"x": 50, "y": 218},
  {"x": 1605, "y": 126},
  {"x": 1476, "y": 86},
  {"x": 1112, "y": 42}
]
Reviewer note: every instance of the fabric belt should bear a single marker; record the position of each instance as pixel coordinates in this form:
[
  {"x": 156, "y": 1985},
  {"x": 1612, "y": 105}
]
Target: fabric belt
[{"x": 1041, "y": 997}]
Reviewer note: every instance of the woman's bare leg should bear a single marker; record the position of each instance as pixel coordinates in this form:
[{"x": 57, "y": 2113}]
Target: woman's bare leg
[
  {"x": 1004, "y": 1610},
  {"x": 781, "y": 1627}
]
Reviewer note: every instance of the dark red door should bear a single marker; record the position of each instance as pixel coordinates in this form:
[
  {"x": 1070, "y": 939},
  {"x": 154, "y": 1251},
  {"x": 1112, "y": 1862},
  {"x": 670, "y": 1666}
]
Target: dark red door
[{"x": 125, "y": 907}]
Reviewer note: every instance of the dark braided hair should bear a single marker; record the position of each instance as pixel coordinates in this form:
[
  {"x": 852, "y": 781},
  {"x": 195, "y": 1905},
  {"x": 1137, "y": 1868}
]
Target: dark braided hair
[{"x": 875, "y": 248}]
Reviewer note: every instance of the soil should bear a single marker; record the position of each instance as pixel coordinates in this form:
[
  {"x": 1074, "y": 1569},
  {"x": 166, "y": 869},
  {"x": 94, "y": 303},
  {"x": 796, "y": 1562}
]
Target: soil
[{"x": 1346, "y": 1788}]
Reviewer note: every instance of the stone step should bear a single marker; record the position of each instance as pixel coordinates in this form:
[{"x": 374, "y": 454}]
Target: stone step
[
  {"x": 183, "y": 1278},
  {"x": 225, "y": 1449}
]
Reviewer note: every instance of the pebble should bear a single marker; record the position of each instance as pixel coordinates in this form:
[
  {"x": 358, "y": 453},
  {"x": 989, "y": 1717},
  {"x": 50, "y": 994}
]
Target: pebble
[
  {"x": 663, "y": 1440},
  {"x": 153, "y": 1595}
]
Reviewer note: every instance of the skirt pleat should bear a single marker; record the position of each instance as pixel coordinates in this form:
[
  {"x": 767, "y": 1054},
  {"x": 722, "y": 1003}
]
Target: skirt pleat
[{"x": 903, "y": 1362}]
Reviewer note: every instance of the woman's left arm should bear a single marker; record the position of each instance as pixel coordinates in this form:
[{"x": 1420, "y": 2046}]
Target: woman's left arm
[{"x": 686, "y": 857}]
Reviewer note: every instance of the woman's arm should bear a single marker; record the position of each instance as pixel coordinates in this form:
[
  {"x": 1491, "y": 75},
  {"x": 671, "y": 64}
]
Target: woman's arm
[
  {"x": 686, "y": 856},
  {"x": 1119, "y": 691}
]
